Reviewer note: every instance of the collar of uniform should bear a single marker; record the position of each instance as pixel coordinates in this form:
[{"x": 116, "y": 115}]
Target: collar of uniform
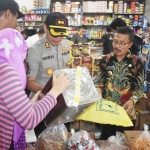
[{"x": 128, "y": 55}]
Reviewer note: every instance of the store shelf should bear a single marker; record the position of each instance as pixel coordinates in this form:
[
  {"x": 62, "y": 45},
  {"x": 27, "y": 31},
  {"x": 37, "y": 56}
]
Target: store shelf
[
  {"x": 31, "y": 21},
  {"x": 96, "y": 25},
  {"x": 37, "y": 14},
  {"x": 128, "y": 13},
  {"x": 97, "y": 12},
  {"x": 94, "y": 39},
  {"x": 71, "y": 13}
]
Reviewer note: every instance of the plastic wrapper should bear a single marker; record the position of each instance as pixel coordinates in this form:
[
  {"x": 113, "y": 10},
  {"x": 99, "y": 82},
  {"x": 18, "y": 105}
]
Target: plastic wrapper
[
  {"x": 115, "y": 143},
  {"x": 87, "y": 92},
  {"x": 53, "y": 138},
  {"x": 106, "y": 112},
  {"x": 81, "y": 141},
  {"x": 143, "y": 141}
]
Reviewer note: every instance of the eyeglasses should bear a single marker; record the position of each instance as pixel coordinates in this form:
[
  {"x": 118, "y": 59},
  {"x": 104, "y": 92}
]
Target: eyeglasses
[{"x": 120, "y": 44}]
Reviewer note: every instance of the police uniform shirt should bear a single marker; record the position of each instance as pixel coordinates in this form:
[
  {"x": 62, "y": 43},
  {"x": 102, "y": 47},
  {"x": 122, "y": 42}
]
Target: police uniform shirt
[{"x": 44, "y": 58}]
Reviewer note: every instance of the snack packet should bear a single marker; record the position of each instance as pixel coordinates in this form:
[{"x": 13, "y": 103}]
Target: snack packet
[
  {"x": 115, "y": 143},
  {"x": 53, "y": 138},
  {"x": 81, "y": 141},
  {"x": 143, "y": 141}
]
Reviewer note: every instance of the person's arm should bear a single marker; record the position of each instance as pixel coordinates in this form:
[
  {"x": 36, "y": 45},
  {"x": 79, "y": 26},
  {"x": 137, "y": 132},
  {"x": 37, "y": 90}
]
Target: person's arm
[
  {"x": 34, "y": 62},
  {"x": 148, "y": 84},
  {"x": 12, "y": 94},
  {"x": 138, "y": 85},
  {"x": 73, "y": 39},
  {"x": 102, "y": 74},
  {"x": 102, "y": 41}
]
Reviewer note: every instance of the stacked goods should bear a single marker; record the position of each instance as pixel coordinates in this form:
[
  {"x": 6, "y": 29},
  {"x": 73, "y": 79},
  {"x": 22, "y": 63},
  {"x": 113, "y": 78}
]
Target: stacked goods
[{"x": 84, "y": 58}]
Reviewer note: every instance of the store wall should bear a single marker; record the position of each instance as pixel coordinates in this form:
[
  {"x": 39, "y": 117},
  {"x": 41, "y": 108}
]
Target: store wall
[
  {"x": 147, "y": 10},
  {"x": 27, "y": 3}
]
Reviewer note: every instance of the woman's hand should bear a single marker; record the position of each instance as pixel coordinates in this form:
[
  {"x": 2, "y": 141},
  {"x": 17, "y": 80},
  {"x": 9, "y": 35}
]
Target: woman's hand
[
  {"x": 35, "y": 98},
  {"x": 60, "y": 84}
]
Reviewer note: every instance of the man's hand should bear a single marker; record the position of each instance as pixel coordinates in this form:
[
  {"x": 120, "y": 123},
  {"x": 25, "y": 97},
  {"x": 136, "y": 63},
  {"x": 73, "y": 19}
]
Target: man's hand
[{"x": 128, "y": 106}]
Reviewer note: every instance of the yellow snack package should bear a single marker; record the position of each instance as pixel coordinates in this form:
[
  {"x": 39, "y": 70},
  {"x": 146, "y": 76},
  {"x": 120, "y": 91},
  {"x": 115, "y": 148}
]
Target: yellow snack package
[{"x": 106, "y": 112}]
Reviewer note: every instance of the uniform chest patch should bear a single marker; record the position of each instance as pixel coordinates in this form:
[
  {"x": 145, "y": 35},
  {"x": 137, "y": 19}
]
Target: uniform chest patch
[
  {"x": 47, "y": 45},
  {"x": 49, "y": 71},
  {"x": 64, "y": 49}
]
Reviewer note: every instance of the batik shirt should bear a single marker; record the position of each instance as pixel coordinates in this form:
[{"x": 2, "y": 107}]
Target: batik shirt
[{"x": 121, "y": 81}]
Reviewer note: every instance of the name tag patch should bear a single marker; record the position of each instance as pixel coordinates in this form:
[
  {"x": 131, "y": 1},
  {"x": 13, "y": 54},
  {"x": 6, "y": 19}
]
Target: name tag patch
[
  {"x": 65, "y": 53},
  {"x": 48, "y": 57}
]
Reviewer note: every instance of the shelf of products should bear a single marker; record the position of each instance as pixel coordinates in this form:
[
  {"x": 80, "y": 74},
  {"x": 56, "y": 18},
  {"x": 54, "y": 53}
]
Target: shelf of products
[{"x": 94, "y": 14}]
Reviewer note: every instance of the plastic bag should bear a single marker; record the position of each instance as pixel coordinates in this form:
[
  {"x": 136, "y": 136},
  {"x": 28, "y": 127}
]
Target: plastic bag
[
  {"x": 115, "y": 143},
  {"x": 81, "y": 141},
  {"x": 143, "y": 141},
  {"x": 53, "y": 138},
  {"x": 106, "y": 112}
]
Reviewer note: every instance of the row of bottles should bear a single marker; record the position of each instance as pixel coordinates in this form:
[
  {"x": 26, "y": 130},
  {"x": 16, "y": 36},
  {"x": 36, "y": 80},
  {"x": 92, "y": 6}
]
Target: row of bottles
[
  {"x": 74, "y": 21},
  {"x": 95, "y": 34}
]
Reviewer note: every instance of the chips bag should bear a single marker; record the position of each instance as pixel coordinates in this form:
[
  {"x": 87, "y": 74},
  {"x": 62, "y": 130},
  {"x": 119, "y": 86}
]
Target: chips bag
[
  {"x": 53, "y": 138},
  {"x": 106, "y": 112},
  {"x": 143, "y": 141}
]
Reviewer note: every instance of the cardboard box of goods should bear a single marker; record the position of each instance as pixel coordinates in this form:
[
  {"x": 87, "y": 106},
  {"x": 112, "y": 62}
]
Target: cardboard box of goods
[
  {"x": 87, "y": 126},
  {"x": 67, "y": 7},
  {"x": 75, "y": 10},
  {"x": 74, "y": 5},
  {"x": 95, "y": 63},
  {"x": 141, "y": 105},
  {"x": 144, "y": 119},
  {"x": 75, "y": 125},
  {"x": 87, "y": 61},
  {"x": 100, "y": 142},
  {"x": 130, "y": 136},
  {"x": 76, "y": 61},
  {"x": 137, "y": 121}
]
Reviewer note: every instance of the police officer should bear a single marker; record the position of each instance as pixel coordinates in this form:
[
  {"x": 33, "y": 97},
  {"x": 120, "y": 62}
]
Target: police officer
[{"x": 51, "y": 52}]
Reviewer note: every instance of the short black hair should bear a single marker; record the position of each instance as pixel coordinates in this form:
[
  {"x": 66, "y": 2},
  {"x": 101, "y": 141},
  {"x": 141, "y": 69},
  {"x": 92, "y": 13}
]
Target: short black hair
[
  {"x": 138, "y": 28},
  {"x": 108, "y": 29},
  {"x": 118, "y": 22},
  {"x": 83, "y": 26},
  {"x": 41, "y": 31},
  {"x": 24, "y": 32},
  {"x": 127, "y": 31},
  {"x": 14, "y": 12}
]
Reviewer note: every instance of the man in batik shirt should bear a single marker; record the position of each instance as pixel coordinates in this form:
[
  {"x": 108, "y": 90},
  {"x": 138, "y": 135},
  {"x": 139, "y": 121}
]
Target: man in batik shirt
[{"x": 121, "y": 77}]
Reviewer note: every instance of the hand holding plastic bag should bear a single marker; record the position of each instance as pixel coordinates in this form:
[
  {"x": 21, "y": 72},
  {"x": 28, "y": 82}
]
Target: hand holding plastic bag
[
  {"x": 115, "y": 143},
  {"x": 143, "y": 141},
  {"x": 53, "y": 138}
]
